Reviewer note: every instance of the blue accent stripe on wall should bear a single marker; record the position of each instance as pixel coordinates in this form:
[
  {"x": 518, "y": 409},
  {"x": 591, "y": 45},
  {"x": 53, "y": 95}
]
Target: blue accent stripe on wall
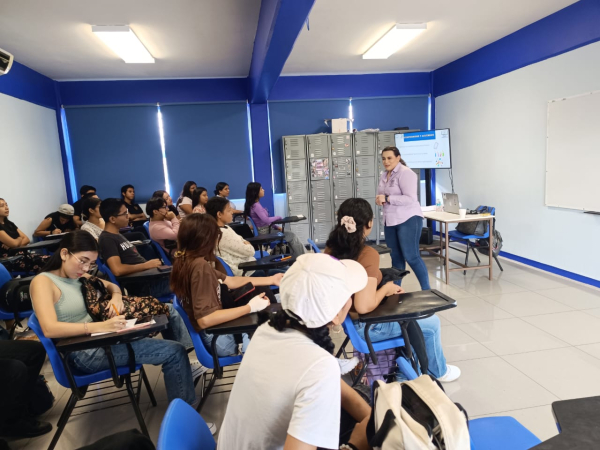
[
  {"x": 570, "y": 28},
  {"x": 29, "y": 85},
  {"x": 261, "y": 148},
  {"x": 130, "y": 92},
  {"x": 345, "y": 86}
]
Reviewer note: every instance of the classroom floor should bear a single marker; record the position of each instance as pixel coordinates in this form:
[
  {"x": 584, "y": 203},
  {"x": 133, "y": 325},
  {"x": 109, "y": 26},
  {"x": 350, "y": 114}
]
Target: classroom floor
[{"x": 523, "y": 340}]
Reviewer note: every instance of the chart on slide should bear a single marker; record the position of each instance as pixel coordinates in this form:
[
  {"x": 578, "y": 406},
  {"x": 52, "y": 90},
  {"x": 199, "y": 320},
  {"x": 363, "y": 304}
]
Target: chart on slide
[{"x": 425, "y": 149}]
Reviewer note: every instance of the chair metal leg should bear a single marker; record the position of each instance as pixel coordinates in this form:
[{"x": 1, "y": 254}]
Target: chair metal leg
[
  {"x": 206, "y": 392},
  {"x": 356, "y": 380},
  {"x": 498, "y": 262},
  {"x": 467, "y": 258},
  {"x": 136, "y": 407},
  {"x": 148, "y": 387},
  {"x": 343, "y": 348},
  {"x": 476, "y": 255},
  {"x": 64, "y": 418}
]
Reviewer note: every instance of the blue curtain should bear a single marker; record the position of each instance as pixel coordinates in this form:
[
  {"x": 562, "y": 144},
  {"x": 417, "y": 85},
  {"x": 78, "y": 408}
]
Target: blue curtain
[
  {"x": 299, "y": 117},
  {"x": 208, "y": 143},
  {"x": 389, "y": 113},
  {"x": 114, "y": 146}
]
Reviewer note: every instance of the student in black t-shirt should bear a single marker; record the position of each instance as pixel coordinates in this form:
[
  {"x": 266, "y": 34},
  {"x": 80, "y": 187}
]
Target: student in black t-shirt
[
  {"x": 85, "y": 191},
  {"x": 58, "y": 222},
  {"x": 122, "y": 256},
  {"x": 135, "y": 211}
]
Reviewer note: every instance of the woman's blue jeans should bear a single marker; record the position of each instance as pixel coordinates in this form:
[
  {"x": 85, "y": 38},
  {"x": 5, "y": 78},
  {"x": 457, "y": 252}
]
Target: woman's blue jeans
[
  {"x": 171, "y": 354},
  {"x": 432, "y": 334},
  {"x": 403, "y": 240},
  {"x": 226, "y": 345}
]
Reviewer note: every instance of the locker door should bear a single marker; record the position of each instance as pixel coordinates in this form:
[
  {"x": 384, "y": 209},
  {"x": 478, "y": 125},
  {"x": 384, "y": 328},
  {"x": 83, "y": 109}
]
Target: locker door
[
  {"x": 298, "y": 209},
  {"x": 297, "y": 192},
  {"x": 295, "y": 169},
  {"x": 322, "y": 212},
  {"x": 319, "y": 168},
  {"x": 302, "y": 230},
  {"x": 385, "y": 139},
  {"x": 364, "y": 144},
  {"x": 336, "y": 206},
  {"x": 365, "y": 166},
  {"x": 342, "y": 167},
  {"x": 320, "y": 191},
  {"x": 366, "y": 187},
  {"x": 343, "y": 188},
  {"x": 294, "y": 147},
  {"x": 318, "y": 145},
  {"x": 321, "y": 232},
  {"x": 341, "y": 144}
]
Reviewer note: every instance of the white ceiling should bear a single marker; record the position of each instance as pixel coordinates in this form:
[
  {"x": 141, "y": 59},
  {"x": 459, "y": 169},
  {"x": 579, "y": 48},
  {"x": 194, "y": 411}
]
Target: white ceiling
[
  {"x": 188, "y": 38},
  {"x": 342, "y": 30},
  {"x": 214, "y": 38}
]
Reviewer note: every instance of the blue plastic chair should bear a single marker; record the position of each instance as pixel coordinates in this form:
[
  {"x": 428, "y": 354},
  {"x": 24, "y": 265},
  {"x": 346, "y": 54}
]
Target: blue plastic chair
[
  {"x": 5, "y": 277},
  {"x": 254, "y": 227},
  {"x": 79, "y": 382},
  {"x": 314, "y": 246},
  {"x": 203, "y": 355},
  {"x": 500, "y": 433},
  {"x": 161, "y": 251},
  {"x": 230, "y": 273},
  {"x": 184, "y": 429},
  {"x": 466, "y": 239}
]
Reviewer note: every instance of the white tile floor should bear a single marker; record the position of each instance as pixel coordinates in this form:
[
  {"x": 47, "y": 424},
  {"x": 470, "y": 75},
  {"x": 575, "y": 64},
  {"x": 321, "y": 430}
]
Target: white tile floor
[{"x": 523, "y": 340}]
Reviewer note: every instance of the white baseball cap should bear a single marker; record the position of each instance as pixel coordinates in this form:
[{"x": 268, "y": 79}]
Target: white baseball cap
[
  {"x": 317, "y": 286},
  {"x": 66, "y": 209}
]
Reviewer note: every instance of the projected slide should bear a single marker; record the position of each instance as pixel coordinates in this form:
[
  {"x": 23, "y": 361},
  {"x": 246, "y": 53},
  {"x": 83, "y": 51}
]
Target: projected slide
[{"x": 425, "y": 149}]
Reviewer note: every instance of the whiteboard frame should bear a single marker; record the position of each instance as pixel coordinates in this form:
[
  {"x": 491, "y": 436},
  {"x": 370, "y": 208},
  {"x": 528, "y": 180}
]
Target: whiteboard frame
[{"x": 561, "y": 99}]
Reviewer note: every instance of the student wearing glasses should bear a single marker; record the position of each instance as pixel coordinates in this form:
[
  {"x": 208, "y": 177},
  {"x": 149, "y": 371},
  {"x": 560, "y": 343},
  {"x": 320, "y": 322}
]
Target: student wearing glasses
[
  {"x": 167, "y": 198},
  {"x": 163, "y": 223}
]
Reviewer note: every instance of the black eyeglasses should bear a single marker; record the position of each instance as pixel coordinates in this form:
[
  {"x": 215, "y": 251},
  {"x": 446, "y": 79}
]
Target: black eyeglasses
[{"x": 126, "y": 213}]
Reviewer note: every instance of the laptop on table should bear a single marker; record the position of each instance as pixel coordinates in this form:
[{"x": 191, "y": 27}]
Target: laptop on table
[{"x": 451, "y": 203}]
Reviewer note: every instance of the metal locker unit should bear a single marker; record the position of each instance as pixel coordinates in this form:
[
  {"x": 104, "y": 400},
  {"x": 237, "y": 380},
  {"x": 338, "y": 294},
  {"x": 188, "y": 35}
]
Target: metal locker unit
[
  {"x": 373, "y": 234},
  {"x": 341, "y": 144},
  {"x": 322, "y": 212},
  {"x": 342, "y": 167},
  {"x": 302, "y": 230},
  {"x": 343, "y": 188},
  {"x": 336, "y": 206},
  {"x": 365, "y": 166},
  {"x": 299, "y": 209},
  {"x": 320, "y": 191},
  {"x": 387, "y": 139},
  {"x": 319, "y": 169},
  {"x": 297, "y": 192},
  {"x": 318, "y": 145},
  {"x": 365, "y": 143},
  {"x": 295, "y": 170},
  {"x": 366, "y": 187},
  {"x": 320, "y": 231},
  {"x": 294, "y": 147}
]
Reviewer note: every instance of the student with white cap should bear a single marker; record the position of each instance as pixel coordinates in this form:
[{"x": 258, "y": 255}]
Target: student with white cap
[
  {"x": 58, "y": 222},
  {"x": 288, "y": 391}
]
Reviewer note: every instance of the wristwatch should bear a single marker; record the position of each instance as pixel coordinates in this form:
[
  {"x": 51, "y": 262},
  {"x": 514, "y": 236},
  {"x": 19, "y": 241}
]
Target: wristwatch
[
  {"x": 387, "y": 198},
  {"x": 348, "y": 446}
]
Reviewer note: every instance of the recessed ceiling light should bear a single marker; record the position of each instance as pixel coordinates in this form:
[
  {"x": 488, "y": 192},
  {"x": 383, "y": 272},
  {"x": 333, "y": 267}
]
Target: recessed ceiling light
[
  {"x": 123, "y": 41},
  {"x": 394, "y": 40}
]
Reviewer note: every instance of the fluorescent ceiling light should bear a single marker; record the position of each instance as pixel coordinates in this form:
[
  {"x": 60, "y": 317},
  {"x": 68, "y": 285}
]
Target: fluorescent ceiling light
[
  {"x": 394, "y": 40},
  {"x": 123, "y": 41}
]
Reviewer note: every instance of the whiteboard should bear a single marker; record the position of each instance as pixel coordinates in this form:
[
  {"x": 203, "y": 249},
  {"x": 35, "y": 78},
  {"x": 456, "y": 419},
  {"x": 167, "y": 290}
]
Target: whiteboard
[{"x": 573, "y": 152}]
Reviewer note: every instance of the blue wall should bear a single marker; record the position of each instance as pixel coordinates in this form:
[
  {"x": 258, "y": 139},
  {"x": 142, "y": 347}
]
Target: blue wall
[{"x": 29, "y": 85}]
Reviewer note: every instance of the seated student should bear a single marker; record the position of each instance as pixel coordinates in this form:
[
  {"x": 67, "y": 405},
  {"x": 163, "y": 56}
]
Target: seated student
[
  {"x": 199, "y": 286},
  {"x": 84, "y": 191},
  {"x": 90, "y": 212},
  {"x": 122, "y": 256},
  {"x": 11, "y": 237},
  {"x": 300, "y": 407},
  {"x": 136, "y": 214},
  {"x": 199, "y": 199},
  {"x": 222, "y": 190},
  {"x": 167, "y": 198},
  {"x": 163, "y": 223},
  {"x": 20, "y": 365},
  {"x": 58, "y": 222},
  {"x": 184, "y": 202},
  {"x": 347, "y": 241},
  {"x": 61, "y": 310},
  {"x": 260, "y": 216}
]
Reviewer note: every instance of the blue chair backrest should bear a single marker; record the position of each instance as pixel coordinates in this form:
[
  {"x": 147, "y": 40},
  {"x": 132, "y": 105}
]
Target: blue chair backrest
[
  {"x": 357, "y": 342},
  {"x": 226, "y": 266},
  {"x": 104, "y": 269},
  {"x": 157, "y": 246},
  {"x": 55, "y": 359},
  {"x": 5, "y": 276},
  {"x": 254, "y": 227},
  {"x": 184, "y": 429},
  {"x": 204, "y": 357},
  {"x": 147, "y": 227},
  {"x": 314, "y": 246}
]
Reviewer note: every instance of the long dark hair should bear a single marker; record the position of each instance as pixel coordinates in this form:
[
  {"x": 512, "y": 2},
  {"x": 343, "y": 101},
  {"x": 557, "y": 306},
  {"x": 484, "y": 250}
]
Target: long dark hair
[
  {"x": 391, "y": 148},
  {"x": 74, "y": 242},
  {"x": 87, "y": 204},
  {"x": 196, "y": 195},
  {"x": 185, "y": 192},
  {"x": 252, "y": 192},
  {"x": 220, "y": 186},
  {"x": 281, "y": 321},
  {"x": 344, "y": 245},
  {"x": 198, "y": 236}
]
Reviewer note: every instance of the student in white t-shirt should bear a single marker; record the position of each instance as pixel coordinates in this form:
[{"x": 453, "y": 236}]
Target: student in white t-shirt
[
  {"x": 288, "y": 392},
  {"x": 184, "y": 202}
]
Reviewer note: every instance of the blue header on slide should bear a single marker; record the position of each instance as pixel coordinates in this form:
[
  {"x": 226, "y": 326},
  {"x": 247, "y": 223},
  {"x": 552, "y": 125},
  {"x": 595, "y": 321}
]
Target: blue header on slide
[{"x": 419, "y": 136}]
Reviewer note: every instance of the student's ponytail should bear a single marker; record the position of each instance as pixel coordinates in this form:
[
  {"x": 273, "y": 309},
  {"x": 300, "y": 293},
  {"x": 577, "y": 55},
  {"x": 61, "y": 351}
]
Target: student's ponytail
[{"x": 347, "y": 239}]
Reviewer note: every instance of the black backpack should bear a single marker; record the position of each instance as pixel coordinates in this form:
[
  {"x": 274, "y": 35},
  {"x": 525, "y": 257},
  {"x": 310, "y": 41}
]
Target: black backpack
[
  {"x": 482, "y": 245},
  {"x": 14, "y": 296},
  {"x": 477, "y": 228}
]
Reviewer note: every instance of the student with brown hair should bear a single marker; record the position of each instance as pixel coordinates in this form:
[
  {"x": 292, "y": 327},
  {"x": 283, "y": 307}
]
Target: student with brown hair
[{"x": 199, "y": 285}]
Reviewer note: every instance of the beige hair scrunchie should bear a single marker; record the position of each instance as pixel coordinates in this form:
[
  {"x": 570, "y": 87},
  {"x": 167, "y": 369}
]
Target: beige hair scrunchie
[{"x": 349, "y": 223}]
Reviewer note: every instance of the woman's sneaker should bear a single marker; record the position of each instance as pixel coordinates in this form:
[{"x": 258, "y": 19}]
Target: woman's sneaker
[
  {"x": 346, "y": 365},
  {"x": 197, "y": 368},
  {"x": 452, "y": 374}
]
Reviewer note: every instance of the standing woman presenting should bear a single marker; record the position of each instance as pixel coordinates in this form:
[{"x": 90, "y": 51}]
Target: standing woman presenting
[{"x": 402, "y": 215}]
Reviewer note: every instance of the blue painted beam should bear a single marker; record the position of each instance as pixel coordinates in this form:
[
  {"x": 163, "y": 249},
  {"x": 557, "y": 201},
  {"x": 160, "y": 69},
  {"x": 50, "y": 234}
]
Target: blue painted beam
[
  {"x": 575, "y": 26},
  {"x": 279, "y": 24},
  {"x": 261, "y": 151},
  {"x": 27, "y": 84}
]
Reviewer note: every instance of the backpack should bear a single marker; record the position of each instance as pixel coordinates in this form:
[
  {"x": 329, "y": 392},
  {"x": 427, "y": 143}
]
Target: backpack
[
  {"x": 14, "y": 296},
  {"x": 482, "y": 245},
  {"x": 478, "y": 228},
  {"x": 416, "y": 415}
]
